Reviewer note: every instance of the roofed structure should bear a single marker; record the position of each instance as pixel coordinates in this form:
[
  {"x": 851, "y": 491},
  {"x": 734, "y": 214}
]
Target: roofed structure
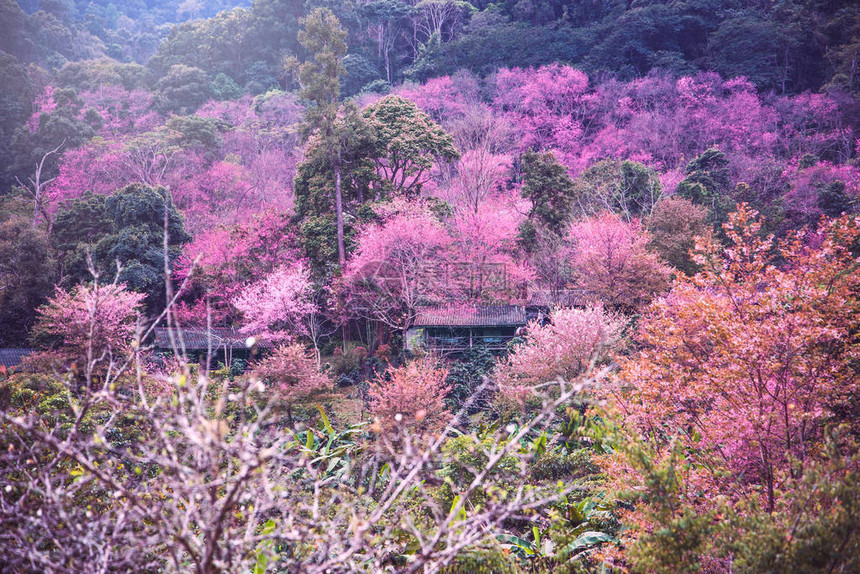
[
  {"x": 472, "y": 316},
  {"x": 455, "y": 329},
  {"x": 199, "y": 339},
  {"x": 217, "y": 343},
  {"x": 11, "y": 357}
]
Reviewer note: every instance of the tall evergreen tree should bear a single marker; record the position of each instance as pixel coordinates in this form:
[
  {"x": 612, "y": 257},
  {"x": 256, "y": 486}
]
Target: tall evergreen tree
[
  {"x": 319, "y": 79},
  {"x": 552, "y": 193}
]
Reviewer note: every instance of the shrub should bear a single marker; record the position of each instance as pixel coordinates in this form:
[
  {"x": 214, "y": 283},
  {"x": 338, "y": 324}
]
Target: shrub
[
  {"x": 411, "y": 397},
  {"x": 291, "y": 374}
]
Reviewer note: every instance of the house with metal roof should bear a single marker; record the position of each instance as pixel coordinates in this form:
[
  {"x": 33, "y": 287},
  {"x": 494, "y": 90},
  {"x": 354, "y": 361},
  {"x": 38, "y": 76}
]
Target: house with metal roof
[
  {"x": 454, "y": 329},
  {"x": 221, "y": 343},
  {"x": 10, "y": 358}
]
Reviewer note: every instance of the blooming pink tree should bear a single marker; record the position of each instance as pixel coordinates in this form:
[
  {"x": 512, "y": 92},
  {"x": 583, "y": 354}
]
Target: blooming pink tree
[
  {"x": 276, "y": 306},
  {"x": 484, "y": 261},
  {"x": 247, "y": 168},
  {"x": 292, "y": 376},
  {"x": 223, "y": 193},
  {"x": 746, "y": 362},
  {"x": 396, "y": 267},
  {"x": 816, "y": 190},
  {"x": 612, "y": 263},
  {"x": 122, "y": 111},
  {"x": 477, "y": 175},
  {"x": 411, "y": 397},
  {"x": 440, "y": 98},
  {"x": 91, "y": 322},
  {"x": 566, "y": 347},
  {"x": 43, "y": 104},
  {"x": 98, "y": 167},
  {"x": 221, "y": 261},
  {"x": 545, "y": 103}
]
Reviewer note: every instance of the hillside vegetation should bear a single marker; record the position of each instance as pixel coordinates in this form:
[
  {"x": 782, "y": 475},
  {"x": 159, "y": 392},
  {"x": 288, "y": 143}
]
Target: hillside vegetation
[{"x": 434, "y": 286}]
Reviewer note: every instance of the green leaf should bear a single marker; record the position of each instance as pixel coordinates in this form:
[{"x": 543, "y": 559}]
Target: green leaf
[
  {"x": 587, "y": 540},
  {"x": 329, "y": 429},
  {"x": 575, "y": 515},
  {"x": 262, "y": 555},
  {"x": 539, "y": 444},
  {"x": 461, "y": 515},
  {"x": 517, "y": 542}
]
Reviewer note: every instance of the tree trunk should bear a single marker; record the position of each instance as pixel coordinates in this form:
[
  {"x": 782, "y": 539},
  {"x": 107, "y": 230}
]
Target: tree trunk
[
  {"x": 338, "y": 207},
  {"x": 387, "y": 66}
]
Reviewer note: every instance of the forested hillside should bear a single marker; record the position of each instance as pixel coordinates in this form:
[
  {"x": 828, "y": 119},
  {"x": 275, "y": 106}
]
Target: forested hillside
[{"x": 429, "y": 286}]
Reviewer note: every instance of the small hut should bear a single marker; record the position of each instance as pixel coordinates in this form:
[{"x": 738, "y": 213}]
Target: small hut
[
  {"x": 458, "y": 328},
  {"x": 219, "y": 343},
  {"x": 10, "y": 358}
]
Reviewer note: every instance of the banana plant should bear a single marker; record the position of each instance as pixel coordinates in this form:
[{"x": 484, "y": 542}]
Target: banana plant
[
  {"x": 328, "y": 448},
  {"x": 538, "y": 546},
  {"x": 580, "y": 430},
  {"x": 580, "y": 515}
]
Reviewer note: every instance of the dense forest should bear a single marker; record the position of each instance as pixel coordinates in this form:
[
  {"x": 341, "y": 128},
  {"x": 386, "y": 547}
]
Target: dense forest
[{"x": 429, "y": 286}]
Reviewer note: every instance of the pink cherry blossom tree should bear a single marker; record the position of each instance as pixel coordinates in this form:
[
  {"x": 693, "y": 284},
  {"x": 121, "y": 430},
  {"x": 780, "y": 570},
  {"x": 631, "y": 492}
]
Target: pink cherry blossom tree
[
  {"x": 292, "y": 377},
  {"x": 92, "y": 322},
  {"x": 568, "y": 345},
  {"x": 276, "y": 306},
  {"x": 396, "y": 266},
  {"x": 484, "y": 262},
  {"x": 611, "y": 261},
  {"x": 411, "y": 397}
]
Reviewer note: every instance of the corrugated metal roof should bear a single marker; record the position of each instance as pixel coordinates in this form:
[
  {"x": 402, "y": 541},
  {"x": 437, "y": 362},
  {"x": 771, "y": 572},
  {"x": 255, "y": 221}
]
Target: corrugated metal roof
[
  {"x": 12, "y": 357},
  {"x": 471, "y": 316},
  {"x": 197, "y": 339},
  {"x": 562, "y": 298}
]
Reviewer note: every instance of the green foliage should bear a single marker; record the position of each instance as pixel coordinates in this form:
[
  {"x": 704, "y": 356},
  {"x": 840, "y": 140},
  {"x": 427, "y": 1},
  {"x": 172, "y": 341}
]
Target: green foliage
[
  {"x": 464, "y": 453},
  {"x": 814, "y": 528},
  {"x": 91, "y": 74},
  {"x": 329, "y": 451},
  {"x": 126, "y": 227},
  {"x": 194, "y": 132},
  {"x": 15, "y": 101},
  {"x": 182, "y": 90},
  {"x": 45, "y": 395},
  {"x": 408, "y": 143},
  {"x": 817, "y": 529},
  {"x": 346, "y": 362},
  {"x": 376, "y": 87},
  {"x": 551, "y": 190},
  {"x": 359, "y": 72},
  {"x": 318, "y": 239},
  {"x": 673, "y": 225},
  {"x": 63, "y": 125},
  {"x": 706, "y": 177},
  {"x": 834, "y": 200},
  {"x": 357, "y": 147},
  {"x": 625, "y": 187},
  {"x": 747, "y": 45},
  {"x": 224, "y": 88},
  {"x": 245, "y": 44},
  {"x": 559, "y": 464},
  {"x": 466, "y": 376},
  {"x": 27, "y": 271},
  {"x": 481, "y": 561},
  {"x": 325, "y": 39},
  {"x": 707, "y": 184},
  {"x": 426, "y": 64}
]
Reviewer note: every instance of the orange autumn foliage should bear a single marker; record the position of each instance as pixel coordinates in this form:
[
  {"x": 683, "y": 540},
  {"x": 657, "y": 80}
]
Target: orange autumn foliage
[{"x": 743, "y": 364}]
